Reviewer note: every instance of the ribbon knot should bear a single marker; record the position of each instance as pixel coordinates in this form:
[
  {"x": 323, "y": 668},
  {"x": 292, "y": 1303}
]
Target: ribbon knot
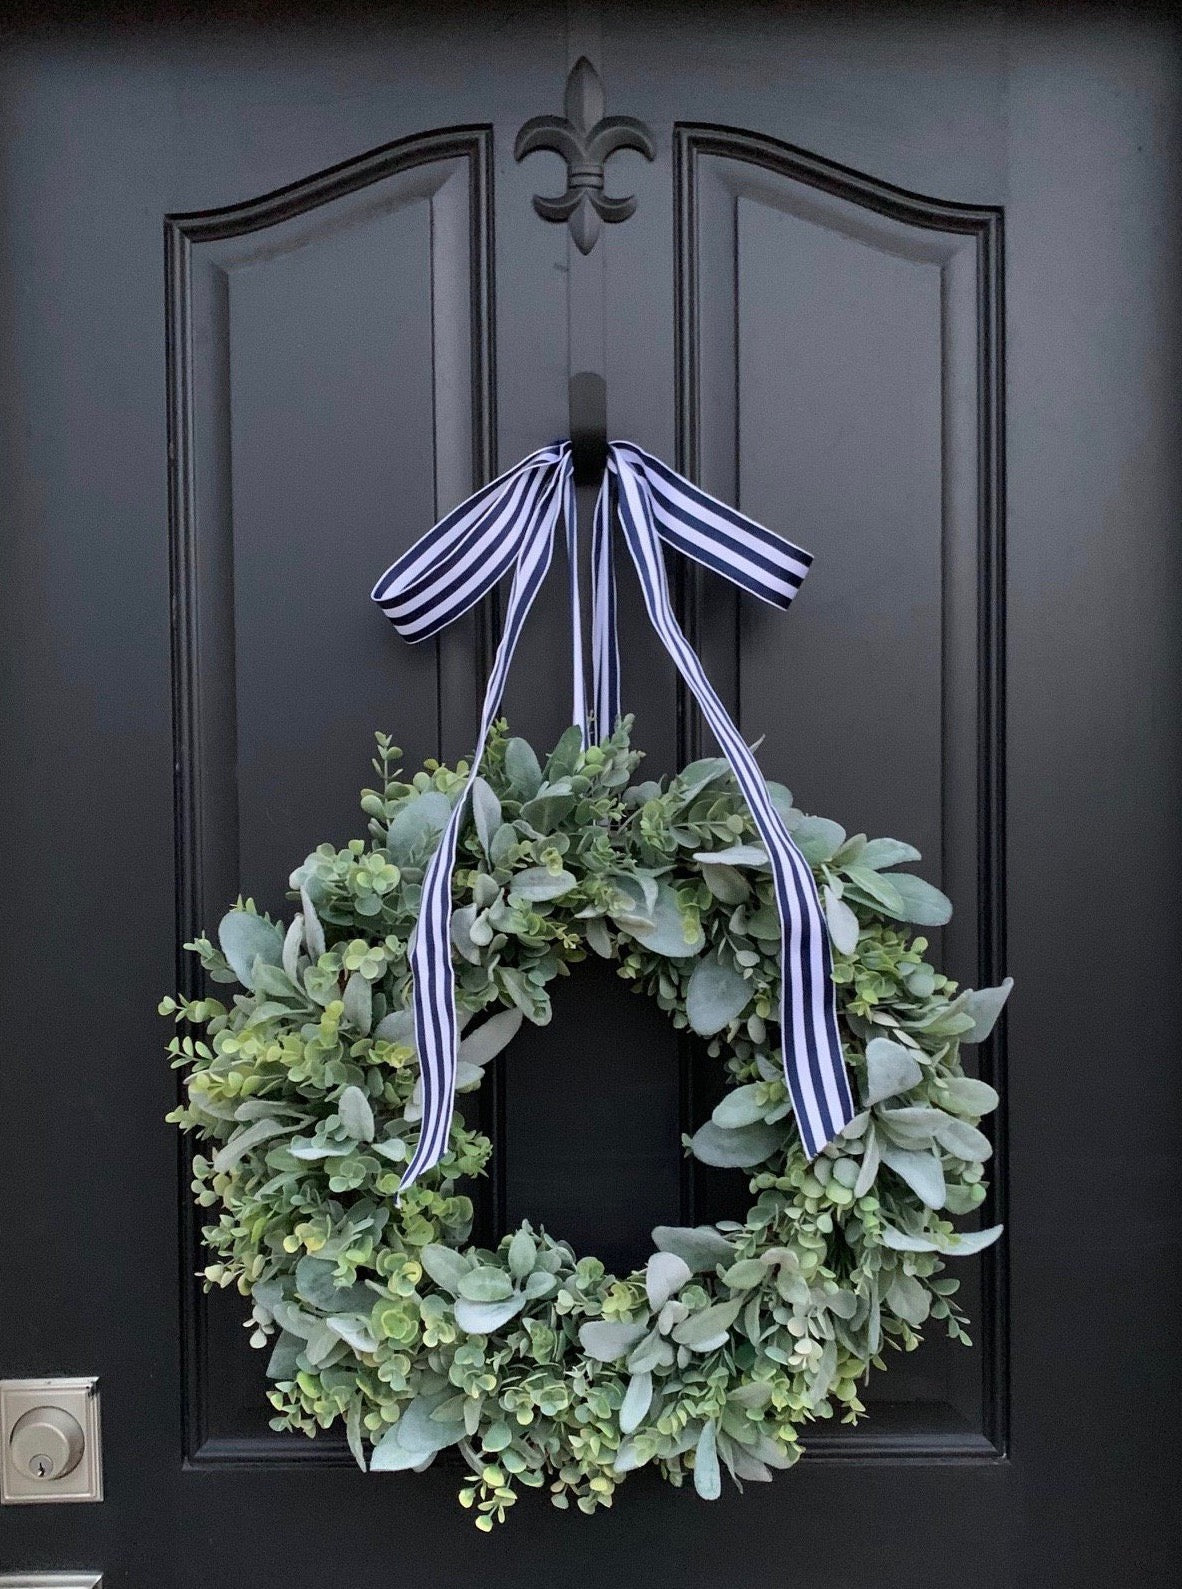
[{"x": 511, "y": 524}]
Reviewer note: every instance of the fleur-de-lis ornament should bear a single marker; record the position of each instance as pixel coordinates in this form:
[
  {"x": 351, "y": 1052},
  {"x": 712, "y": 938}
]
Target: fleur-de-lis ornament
[{"x": 584, "y": 137}]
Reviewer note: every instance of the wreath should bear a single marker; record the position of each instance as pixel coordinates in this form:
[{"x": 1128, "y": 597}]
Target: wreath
[{"x": 540, "y": 1366}]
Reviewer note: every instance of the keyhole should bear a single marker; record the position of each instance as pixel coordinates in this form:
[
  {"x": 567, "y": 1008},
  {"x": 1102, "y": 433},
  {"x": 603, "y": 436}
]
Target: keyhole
[{"x": 41, "y": 1466}]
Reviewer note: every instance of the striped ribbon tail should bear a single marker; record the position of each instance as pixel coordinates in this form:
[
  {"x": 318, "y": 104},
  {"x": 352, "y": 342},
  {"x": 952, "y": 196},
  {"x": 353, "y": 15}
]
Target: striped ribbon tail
[
  {"x": 654, "y": 503},
  {"x": 508, "y": 524}
]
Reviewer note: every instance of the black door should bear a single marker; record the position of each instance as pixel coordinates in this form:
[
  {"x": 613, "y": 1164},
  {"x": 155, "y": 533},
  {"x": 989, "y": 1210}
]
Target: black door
[{"x": 899, "y": 282}]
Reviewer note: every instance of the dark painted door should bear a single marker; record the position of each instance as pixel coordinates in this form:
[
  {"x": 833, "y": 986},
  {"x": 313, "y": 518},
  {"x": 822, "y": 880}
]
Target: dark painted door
[{"x": 902, "y": 283}]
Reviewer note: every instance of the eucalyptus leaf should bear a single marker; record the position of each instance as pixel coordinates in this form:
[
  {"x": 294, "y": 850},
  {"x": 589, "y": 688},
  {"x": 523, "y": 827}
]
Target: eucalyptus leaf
[
  {"x": 879, "y": 854},
  {"x": 891, "y": 1069},
  {"x": 606, "y": 1340},
  {"x": 667, "y": 935},
  {"x": 538, "y": 883},
  {"x": 416, "y": 826},
  {"x": 716, "y": 995},
  {"x": 664, "y": 1276},
  {"x": 985, "y": 1005},
  {"x": 703, "y": 1247},
  {"x": 922, "y": 904},
  {"x": 445, "y": 1265},
  {"x": 486, "y": 813},
  {"x": 738, "y": 1149},
  {"x": 843, "y": 924},
  {"x": 707, "y": 1478},
  {"x": 356, "y": 1114},
  {"x": 908, "y": 1299},
  {"x": 637, "y": 1401},
  {"x": 521, "y": 768},
  {"x": 736, "y": 855},
  {"x": 481, "y": 1318},
  {"x": 740, "y": 1107},
  {"x": 242, "y": 1141},
  {"x": 245, "y": 938},
  {"x": 486, "y": 1284},
  {"x": 487, "y": 1041},
  {"x": 922, "y": 1172}
]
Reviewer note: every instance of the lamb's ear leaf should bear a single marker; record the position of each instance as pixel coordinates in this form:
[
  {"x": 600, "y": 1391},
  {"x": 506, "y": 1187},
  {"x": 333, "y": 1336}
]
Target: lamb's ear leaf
[{"x": 245, "y": 938}]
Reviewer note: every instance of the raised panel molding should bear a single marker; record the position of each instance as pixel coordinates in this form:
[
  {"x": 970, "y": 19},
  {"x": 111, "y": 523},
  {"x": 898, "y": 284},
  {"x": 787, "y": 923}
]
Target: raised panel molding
[
  {"x": 210, "y": 257},
  {"x": 731, "y": 185}
]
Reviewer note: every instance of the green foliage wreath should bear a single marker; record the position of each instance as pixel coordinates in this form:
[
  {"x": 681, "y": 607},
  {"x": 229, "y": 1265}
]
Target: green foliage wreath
[{"x": 540, "y": 1366}]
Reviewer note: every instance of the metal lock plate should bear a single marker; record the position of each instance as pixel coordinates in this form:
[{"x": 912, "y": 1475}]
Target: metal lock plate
[
  {"x": 50, "y": 1444},
  {"x": 51, "y": 1580}
]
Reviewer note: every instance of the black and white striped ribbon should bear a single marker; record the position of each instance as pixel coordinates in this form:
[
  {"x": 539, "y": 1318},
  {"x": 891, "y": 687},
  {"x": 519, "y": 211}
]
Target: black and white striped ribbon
[{"x": 511, "y": 524}]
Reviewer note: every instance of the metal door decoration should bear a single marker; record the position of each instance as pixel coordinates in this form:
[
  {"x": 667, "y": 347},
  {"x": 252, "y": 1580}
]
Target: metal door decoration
[{"x": 758, "y": 927}]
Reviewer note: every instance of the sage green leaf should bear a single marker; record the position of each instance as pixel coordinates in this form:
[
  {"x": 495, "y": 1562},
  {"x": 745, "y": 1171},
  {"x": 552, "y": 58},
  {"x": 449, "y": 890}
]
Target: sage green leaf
[
  {"x": 890, "y": 1069},
  {"x": 922, "y": 904},
  {"x": 709, "y": 1328},
  {"x": 356, "y": 1114},
  {"x": 664, "y": 1276},
  {"x": 481, "y": 1318},
  {"x": 538, "y": 883},
  {"x": 242, "y": 1141},
  {"x": 843, "y": 924},
  {"x": 487, "y": 1041},
  {"x": 565, "y": 756},
  {"x": 521, "y": 769},
  {"x": 965, "y": 1242},
  {"x": 316, "y": 1285},
  {"x": 463, "y": 923},
  {"x": 523, "y": 1252},
  {"x": 653, "y": 1352},
  {"x": 667, "y": 935},
  {"x": 736, "y": 855},
  {"x": 985, "y": 1005},
  {"x": 486, "y": 1284},
  {"x": 245, "y": 938},
  {"x": 964, "y": 1141},
  {"x": 922, "y": 1172},
  {"x": 740, "y": 1107},
  {"x": 486, "y": 813},
  {"x": 818, "y": 839},
  {"x": 540, "y": 1284},
  {"x": 921, "y": 982},
  {"x": 418, "y": 1430},
  {"x": 282, "y": 1363},
  {"x": 753, "y": 1395},
  {"x": 746, "y": 1273},
  {"x": 606, "y": 1340},
  {"x": 908, "y": 1300},
  {"x": 637, "y": 1401},
  {"x": 293, "y": 942},
  {"x": 701, "y": 1246},
  {"x": 871, "y": 1159},
  {"x": 882, "y": 853},
  {"x": 445, "y": 1265},
  {"x": 417, "y": 825},
  {"x": 390, "y": 1456},
  {"x": 399, "y": 1027},
  {"x": 552, "y": 804},
  {"x": 737, "y": 1149},
  {"x": 880, "y": 889},
  {"x": 726, "y": 883},
  {"x": 598, "y": 937},
  {"x": 903, "y": 1241},
  {"x": 699, "y": 775},
  {"x": 707, "y": 1478},
  {"x": 716, "y": 996},
  {"x": 358, "y": 1002},
  {"x": 628, "y": 1458},
  {"x": 313, "y": 931},
  {"x": 969, "y": 1096},
  {"x": 354, "y": 1334},
  {"x": 353, "y": 1431}
]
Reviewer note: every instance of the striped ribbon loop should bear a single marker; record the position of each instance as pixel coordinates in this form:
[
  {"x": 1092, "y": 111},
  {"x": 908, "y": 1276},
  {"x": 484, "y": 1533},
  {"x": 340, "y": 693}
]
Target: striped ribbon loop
[{"x": 511, "y": 524}]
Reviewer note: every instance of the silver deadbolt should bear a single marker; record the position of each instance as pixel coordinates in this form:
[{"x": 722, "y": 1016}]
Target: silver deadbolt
[
  {"x": 50, "y": 1441},
  {"x": 46, "y": 1443}
]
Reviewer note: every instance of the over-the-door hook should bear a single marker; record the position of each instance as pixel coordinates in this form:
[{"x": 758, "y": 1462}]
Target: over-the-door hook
[{"x": 588, "y": 427}]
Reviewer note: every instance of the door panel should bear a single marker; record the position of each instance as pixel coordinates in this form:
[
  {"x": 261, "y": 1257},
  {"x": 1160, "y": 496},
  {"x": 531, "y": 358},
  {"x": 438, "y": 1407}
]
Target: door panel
[{"x": 272, "y": 296}]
